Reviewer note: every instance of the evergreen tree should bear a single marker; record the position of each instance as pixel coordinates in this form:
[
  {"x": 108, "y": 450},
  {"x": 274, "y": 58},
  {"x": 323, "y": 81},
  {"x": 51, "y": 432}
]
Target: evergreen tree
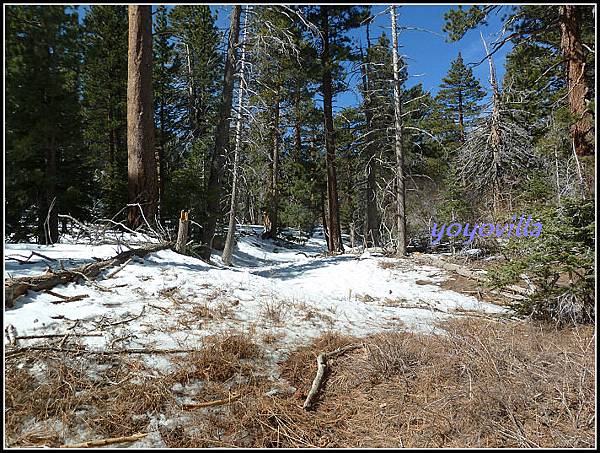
[
  {"x": 197, "y": 66},
  {"x": 166, "y": 113},
  {"x": 460, "y": 94},
  {"x": 567, "y": 31},
  {"x": 104, "y": 100},
  {"x": 334, "y": 23},
  {"x": 46, "y": 168}
]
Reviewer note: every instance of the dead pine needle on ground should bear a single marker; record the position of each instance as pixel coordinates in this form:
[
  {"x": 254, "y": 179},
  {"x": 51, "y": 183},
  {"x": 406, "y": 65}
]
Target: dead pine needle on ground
[{"x": 474, "y": 384}]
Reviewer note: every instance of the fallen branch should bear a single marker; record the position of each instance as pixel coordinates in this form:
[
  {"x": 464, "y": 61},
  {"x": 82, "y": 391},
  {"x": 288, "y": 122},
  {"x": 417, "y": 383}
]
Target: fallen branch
[
  {"x": 88, "y": 351},
  {"x": 211, "y": 403},
  {"x": 119, "y": 269},
  {"x": 25, "y": 261},
  {"x": 316, "y": 385},
  {"x": 321, "y": 367},
  {"x": 15, "y": 287},
  {"x": 56, "y": 335},
  {"x": 109, "y": 441},
  {"x": 129, "y": 319},
  {"x": 64, "y": 299}
]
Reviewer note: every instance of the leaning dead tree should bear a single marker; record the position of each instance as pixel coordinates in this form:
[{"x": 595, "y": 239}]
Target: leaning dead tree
[
  {"x": 228, "y": 250},
  {"x": 215, "y": 179},
  {"x": 497, "y": 148}
]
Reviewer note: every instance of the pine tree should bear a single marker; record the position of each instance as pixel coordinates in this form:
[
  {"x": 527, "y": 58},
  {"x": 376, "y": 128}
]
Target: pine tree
[
  {"x": 142, "y": 168},
  {"x": 568, "y": 31},
  {"x": 104, "y": 99},
  {"x": 165, "y": 106},
  {"x": 460, "y": 94},
  {"x": 46, "y": 168},
  {"x": 196, "y": 74},
  {"x": 333, "y": 22}
]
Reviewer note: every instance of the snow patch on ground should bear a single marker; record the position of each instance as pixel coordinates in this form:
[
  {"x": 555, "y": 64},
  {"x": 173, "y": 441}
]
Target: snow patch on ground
[{"x": 274, "y": 290}]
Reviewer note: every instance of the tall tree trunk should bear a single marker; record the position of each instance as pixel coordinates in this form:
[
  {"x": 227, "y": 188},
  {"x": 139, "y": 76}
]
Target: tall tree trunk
[
  {"x": 142, "y": 174},
  {"x": 273, "y": 205},
  {"x": 371, "y": 229},
  {"x": 572, "y": 48},
  {"x": 324, "y": 218},
  {"x": 297, "y": 128},
  {"x": 228, "y": 249},
  {"x": 400, "y": 192},
  {"x": 461, "y": 121},
  {"x": 335, "y": 234},
  {"x": 213, "y": 190}
]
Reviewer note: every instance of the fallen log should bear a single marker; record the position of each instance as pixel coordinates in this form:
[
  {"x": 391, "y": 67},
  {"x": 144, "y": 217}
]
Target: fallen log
[{"x": 16, "y": 287}]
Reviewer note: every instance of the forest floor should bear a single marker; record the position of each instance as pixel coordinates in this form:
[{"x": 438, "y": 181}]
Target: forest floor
[{"x": 186, "y": 353}]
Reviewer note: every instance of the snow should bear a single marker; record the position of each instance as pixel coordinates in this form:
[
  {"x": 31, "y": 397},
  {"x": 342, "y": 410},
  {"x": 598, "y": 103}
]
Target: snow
[{"x": 289, "y": 292}]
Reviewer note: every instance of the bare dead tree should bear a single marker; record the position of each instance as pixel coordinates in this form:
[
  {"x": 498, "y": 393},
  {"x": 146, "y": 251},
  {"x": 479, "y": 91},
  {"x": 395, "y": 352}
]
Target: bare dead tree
[
  {"x": 498, "y": 146},
  {"x": 214, "y": 186},
  {"x": 400, "y": 192},
  {"x": 229, "y": 241}
]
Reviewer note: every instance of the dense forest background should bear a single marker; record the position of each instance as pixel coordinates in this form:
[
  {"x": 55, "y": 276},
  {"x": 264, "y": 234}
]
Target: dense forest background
[{"x": 243, "y": 125}]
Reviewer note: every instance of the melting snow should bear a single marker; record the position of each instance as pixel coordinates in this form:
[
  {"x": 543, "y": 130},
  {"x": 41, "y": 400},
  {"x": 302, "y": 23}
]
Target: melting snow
[{"x": 287, "y": 292}]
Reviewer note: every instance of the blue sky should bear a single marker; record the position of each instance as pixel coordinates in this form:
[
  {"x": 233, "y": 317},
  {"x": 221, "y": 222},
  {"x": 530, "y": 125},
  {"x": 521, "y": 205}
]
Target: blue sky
[{"x": 427, "y": 53}]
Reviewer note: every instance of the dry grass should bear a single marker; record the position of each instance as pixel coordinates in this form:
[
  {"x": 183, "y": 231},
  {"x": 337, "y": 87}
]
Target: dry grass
[
  {"x": 274, "y": 311},
  {"x": 477, "y": 384},
  {"x": 223, "y": 356},
  {"x": 109, "y": 401},
  {"x": 113, "y": 395}
]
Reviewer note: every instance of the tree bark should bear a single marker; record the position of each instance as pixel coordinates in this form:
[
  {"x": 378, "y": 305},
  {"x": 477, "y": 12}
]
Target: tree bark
[
  {"x": 324, "y": 218},
  {"x": 400, "y": 192},
  {"x": 572, "y": 48},
  {"x": 142, "y": 167},
  {"x": 228, "y": 249},
  {"x": 15, "y": 287},
  {"x": 335, "y": 234},
  {"x": 371, "y": 230},
  {"x": 273, "y": 206},
  {"x": 214, "y": 189}
]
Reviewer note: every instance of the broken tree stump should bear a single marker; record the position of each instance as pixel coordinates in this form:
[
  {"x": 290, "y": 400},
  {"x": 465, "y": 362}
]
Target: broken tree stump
[
  {"x": 182, "y": 234},
  {"x": 15, "y": 287}
]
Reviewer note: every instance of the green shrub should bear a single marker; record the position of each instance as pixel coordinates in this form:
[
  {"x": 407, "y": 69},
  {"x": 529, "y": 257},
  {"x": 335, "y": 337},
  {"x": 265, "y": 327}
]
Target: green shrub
[{"x": 559, "y": 264}]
